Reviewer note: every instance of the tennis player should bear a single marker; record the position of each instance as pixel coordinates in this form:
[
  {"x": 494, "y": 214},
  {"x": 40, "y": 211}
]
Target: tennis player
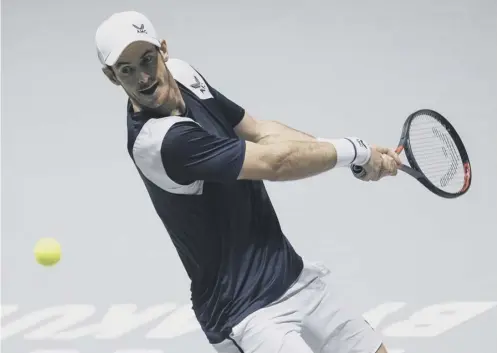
[{"x": 204, "y": 160}]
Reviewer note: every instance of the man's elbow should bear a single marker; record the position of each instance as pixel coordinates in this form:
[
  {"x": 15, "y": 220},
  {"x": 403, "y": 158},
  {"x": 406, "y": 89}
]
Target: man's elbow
[
  {"x": 279, "y": 163},
  {"x": 267, "y": 164}
]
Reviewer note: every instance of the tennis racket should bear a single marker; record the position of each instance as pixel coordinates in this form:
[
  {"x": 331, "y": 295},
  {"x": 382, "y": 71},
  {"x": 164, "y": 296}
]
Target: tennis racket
[{"x": 435, "y": 153}]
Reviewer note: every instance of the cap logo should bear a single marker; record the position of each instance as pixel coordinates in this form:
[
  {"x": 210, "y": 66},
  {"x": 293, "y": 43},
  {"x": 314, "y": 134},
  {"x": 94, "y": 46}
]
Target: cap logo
[{"x": 140, "y": 29}]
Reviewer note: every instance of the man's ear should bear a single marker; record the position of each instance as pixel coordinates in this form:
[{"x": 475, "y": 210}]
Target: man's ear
[
  {"x": 110, "y": 75},
  {"x": 163, "y": 50}
]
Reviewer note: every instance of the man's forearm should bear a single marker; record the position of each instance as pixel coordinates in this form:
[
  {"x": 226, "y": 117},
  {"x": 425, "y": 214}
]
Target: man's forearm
[
  {"x": 295, "y": 160},
  {"x": 287, "y": 160},
  {"x": 292, "y": 160},
  {"x": 275, "y": 151},
  {"x": 273, "y": 132}
]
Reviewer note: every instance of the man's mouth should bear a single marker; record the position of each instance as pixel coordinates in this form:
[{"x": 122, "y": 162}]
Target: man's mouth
[{"x": 150, "y": 90}]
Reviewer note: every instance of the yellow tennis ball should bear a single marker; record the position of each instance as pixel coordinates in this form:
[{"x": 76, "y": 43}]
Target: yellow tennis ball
[{"x": 47, "y": 251}]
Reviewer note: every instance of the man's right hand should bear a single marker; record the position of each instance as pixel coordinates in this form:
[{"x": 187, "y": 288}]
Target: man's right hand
[{"x": 383, "y": 162}]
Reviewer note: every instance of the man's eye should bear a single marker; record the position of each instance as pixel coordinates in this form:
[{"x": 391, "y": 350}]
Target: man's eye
[{"x": 126, "y": 70}]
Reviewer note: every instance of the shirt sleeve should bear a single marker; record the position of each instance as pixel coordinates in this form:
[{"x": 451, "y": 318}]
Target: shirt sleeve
[
  {"x": 190, "y": 153},
  {"x": 231, "y": 110}
]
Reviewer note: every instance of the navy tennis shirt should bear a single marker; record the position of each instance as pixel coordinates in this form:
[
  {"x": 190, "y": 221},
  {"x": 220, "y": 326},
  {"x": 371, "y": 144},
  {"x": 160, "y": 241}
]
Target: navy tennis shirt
[{"x": 225, "y": 230}]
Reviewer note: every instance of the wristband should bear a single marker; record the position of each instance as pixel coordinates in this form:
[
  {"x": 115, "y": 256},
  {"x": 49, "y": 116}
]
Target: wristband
[{"x": 350, "y": 150}]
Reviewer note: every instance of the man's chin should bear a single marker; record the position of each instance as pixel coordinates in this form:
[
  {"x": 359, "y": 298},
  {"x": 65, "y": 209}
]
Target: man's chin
[
  {"x": 148, "y": 101},
  {"x": 155, "y": 101},
  {"x": 152, "y": 104}
]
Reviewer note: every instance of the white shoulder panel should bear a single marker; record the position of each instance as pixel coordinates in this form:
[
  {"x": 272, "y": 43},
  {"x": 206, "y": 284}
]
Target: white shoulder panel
[
  {"x": 147, "y": 156},
  {"x": 188, "y": 77}
]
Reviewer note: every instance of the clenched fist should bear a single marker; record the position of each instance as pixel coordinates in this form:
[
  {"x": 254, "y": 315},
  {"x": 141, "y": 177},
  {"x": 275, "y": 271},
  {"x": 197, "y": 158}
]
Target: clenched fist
[{"x": 383, "y": 162}]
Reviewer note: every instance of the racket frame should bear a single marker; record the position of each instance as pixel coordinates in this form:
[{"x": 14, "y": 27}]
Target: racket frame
[
  {"x": 413, "y": 168},
  {"x": 415, "y": 171}
]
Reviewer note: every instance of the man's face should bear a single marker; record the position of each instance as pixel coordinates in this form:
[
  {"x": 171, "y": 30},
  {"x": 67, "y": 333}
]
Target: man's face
[{"x": 142, "y": 73}]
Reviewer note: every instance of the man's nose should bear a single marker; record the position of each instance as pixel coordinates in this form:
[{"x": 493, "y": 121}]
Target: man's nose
[{"x": 144, "y": 78}]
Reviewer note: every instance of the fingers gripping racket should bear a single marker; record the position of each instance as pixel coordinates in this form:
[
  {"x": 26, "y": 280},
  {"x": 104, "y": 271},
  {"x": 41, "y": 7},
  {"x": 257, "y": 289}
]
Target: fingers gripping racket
[{"x": 435, "y": 153}]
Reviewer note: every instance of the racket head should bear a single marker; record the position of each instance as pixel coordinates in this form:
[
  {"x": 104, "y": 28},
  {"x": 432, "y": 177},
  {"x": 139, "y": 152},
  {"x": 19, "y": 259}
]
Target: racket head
[{"x": 435, "y": 150}]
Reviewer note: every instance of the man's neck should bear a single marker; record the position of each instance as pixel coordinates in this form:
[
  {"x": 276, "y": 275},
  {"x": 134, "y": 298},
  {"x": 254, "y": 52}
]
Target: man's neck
[{"x": 171, "y": 108}]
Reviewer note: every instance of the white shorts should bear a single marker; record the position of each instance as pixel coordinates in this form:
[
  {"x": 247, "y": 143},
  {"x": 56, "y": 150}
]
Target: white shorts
[{"x": 306, "y": 319}]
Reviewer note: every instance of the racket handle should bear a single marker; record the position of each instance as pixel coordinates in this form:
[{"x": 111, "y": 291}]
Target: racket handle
[{"x": 357, "y": 170}]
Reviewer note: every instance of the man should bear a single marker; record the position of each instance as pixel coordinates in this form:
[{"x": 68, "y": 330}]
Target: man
[{"x": 203, "y": 160}]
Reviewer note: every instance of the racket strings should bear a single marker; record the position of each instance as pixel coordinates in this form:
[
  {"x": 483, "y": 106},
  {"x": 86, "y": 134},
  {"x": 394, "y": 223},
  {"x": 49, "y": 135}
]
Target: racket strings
[{"x": 436, "y": 153}]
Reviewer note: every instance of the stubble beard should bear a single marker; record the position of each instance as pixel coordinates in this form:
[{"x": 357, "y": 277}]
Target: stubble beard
[{"x": 172, "y": 106}]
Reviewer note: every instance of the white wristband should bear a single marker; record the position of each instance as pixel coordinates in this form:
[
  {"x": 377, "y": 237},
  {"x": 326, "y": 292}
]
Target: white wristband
[{"x": 350, "y": 150}]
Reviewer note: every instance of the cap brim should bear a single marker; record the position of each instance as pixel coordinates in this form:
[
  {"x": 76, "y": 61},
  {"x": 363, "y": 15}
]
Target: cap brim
[{"x": 118, "y": 50}]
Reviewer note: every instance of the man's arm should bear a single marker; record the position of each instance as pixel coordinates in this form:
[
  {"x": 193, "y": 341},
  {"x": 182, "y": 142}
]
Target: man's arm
[
  {"x": 287, "y": 160},
  {"x": 268, "y": 131},
  {"x": 190, "y": 153},
  {"x": 273, "y": 133}
]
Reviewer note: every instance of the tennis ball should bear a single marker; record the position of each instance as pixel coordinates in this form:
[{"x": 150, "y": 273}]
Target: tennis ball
[{"x": 47, "y": 251}]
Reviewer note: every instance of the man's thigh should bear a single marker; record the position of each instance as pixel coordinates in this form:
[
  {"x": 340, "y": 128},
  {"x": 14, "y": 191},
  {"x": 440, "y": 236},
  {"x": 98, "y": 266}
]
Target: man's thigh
[
  {"x": 331, "y": 327},
  {"x": 272, "y": 329},
  {"x": 308, "y": 318},
  {"x": 352, "y": 336}
]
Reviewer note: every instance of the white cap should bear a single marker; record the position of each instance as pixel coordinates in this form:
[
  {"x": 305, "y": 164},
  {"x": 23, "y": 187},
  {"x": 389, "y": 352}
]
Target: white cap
[{"x": 120, "y": 30}]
